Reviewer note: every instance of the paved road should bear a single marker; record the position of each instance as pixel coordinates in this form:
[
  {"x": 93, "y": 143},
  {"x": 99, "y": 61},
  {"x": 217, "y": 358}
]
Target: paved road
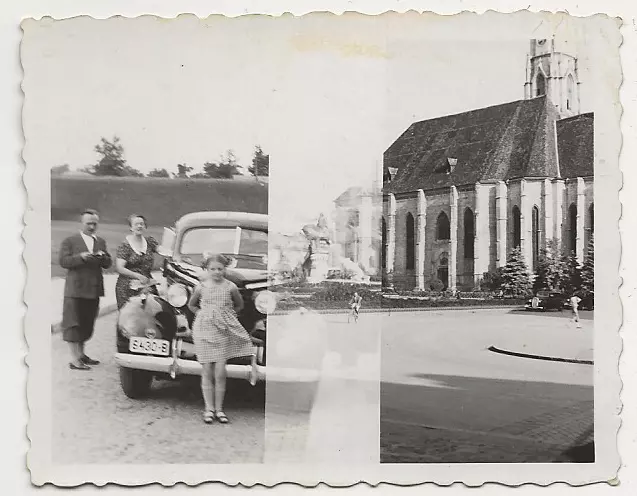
[
  {"x": 94, "y": 422},
  {"x": 332, "y": 418},
  {"x": 443, "y": 396},
  {"x": 446, "y": 399}
]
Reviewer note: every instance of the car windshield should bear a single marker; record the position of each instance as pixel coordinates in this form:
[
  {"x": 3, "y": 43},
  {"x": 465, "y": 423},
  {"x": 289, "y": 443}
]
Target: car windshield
[{"x": 249, "y": 246}]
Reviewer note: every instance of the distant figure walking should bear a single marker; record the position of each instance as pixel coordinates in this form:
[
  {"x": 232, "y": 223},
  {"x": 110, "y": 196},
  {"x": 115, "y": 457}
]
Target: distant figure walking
[
  {"x": 134, "y": 260},
  {"x": 575, "y": 301},
  {"x": 84, "y": 255}
]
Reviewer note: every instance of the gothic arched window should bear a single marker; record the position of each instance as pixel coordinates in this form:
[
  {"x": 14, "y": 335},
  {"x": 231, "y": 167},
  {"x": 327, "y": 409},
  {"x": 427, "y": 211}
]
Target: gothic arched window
[
  {"x": 383, "y": 244},
  {"x": 540, "y": 85},
  {"x": 443, "y": 230},
  {"x": 572, "y": 227},
  {"x": 469, "y": 233},
  {"x": 517, "y": 227},
  {"x": 570, "y": 90},
  {"x": 410, "y": 245},
  {"x": 535, "y": 228}
]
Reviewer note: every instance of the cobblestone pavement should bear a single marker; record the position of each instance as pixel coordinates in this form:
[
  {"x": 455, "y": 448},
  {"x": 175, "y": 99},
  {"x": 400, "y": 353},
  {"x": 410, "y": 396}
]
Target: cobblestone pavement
[
  {"x": 94, "y": 422},
  {"x": 446, "y": 399}
]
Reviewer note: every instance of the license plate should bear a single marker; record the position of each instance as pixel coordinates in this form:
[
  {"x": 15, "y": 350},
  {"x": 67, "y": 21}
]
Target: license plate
[{"x": 149, "y": 346}]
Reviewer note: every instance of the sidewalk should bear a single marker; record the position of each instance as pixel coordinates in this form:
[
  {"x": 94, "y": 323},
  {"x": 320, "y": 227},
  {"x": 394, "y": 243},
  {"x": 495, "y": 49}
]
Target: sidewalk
[{"x": 108, "y": 302}]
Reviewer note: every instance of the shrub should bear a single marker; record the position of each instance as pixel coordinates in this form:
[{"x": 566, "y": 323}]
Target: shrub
[
  {"x": 492, "y": 280},
  {"x": 436, "y": 285}
]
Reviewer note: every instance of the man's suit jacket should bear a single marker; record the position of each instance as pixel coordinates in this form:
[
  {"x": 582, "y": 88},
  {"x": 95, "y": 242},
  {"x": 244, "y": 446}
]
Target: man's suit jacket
[{"x": 84, "y": 278}]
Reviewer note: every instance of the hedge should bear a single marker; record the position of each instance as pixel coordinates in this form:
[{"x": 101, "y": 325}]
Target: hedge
[
  {"x": 162, "y": 200},
  {"x": 333, "y": 296}
]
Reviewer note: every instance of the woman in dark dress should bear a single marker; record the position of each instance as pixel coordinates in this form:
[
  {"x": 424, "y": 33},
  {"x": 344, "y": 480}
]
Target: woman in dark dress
[{"x": 134, "y": 261}]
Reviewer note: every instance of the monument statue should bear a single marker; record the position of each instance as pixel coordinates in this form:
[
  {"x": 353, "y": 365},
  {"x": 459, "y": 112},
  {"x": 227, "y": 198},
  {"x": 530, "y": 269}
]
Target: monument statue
[{"x": 315, "y": 266}]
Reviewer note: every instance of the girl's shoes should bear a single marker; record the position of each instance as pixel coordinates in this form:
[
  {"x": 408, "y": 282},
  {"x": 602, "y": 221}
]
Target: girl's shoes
[
  {"x": 209, "y": 416},
  {"x": 221, "y": 417}
]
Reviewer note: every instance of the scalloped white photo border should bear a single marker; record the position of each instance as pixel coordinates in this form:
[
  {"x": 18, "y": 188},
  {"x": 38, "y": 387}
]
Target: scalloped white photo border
[{"x": 608, "y": 311}]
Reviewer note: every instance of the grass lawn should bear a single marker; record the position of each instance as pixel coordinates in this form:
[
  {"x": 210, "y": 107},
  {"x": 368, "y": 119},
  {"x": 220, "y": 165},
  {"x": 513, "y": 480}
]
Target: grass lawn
[{"x": 114, "y": 235}]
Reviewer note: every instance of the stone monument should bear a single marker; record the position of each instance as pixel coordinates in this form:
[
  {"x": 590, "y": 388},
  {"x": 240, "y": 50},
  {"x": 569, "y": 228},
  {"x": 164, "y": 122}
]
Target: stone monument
[{"x": 317, "y": 259}]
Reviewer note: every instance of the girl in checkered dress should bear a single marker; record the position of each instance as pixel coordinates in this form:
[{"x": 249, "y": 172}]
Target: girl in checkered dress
[{"x": 217, "y": 333}]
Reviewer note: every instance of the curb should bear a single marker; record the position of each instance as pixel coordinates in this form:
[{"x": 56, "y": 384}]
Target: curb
[
  {"x": 337, "y": 311},
  {"x": 539, "y": 357},
  {"x": 107, "y": 309}
]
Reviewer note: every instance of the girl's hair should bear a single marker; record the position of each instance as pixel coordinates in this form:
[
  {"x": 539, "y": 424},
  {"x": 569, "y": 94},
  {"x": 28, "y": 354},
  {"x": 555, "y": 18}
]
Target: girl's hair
[
  {"x": 214, "y": 257},
  {"x": 136, "y": 216}
]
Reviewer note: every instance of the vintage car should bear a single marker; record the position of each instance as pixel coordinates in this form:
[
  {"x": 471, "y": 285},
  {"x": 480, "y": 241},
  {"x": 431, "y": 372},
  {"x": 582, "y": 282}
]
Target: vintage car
[
  {"x": 588, "y": 302},
  {"x": 165, "y": 349},
  {"x": 546, "y": 300}
]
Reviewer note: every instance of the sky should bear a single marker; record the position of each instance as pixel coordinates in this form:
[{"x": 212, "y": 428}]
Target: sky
[{"x": 324, "y": 96}]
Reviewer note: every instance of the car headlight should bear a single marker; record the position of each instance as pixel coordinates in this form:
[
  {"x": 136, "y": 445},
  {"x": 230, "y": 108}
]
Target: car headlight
[
  {"x": 265, "y": 302},
  {"x": 177, "y": 295}
]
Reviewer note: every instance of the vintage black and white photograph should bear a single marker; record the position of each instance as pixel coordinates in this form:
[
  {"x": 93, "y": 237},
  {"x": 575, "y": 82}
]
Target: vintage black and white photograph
[{"x": 322, "y": 248}]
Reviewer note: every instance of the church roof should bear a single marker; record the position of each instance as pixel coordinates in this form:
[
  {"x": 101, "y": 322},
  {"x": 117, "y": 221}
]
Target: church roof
[
  {"x": 501, "y": 142},
  {"x": 575, "y": 138}
]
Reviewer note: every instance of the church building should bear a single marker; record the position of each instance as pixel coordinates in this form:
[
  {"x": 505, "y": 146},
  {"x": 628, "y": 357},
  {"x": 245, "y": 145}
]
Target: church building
[{"x": 460, "y": 192}]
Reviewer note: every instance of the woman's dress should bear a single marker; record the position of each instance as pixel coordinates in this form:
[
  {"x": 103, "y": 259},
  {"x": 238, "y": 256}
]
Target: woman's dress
[
  {"x": 217, "y": 333},
  {"x": 140, "y": 262}
]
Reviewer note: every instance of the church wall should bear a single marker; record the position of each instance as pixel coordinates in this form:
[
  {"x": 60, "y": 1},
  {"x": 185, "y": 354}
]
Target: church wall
[
  {"x": 570, "y": 198},
  {"x": 533, "y": 190},
  {"x": 493, "y": 235},
  {"x": 402, "y": 276},
  {"x": 513, "y": 200},
  {"x": 464, "y": 266},
  {"x": 589, "y": 192},
  {"x": 434, "y": 248}
]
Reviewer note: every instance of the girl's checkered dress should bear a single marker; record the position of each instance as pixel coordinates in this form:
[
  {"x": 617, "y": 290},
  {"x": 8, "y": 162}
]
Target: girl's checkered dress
[{"x": 217, "y": 333}]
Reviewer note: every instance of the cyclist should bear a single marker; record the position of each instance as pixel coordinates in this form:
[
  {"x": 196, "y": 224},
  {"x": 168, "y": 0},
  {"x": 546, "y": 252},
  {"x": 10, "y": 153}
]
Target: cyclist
[{"x": 355, "y": 304}]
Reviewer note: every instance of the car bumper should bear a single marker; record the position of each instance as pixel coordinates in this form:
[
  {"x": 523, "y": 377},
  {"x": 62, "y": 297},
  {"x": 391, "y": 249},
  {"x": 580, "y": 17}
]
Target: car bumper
[
  {"x": 174, "y": 368},
  {"x": 536, "y": 309}
]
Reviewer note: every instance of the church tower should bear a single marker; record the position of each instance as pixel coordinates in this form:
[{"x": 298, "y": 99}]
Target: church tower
[{"x": 553, "y": 73}]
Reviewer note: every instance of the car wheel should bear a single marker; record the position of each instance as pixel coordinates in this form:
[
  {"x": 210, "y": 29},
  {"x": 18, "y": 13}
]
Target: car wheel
[{"x": 135, "y": 383}]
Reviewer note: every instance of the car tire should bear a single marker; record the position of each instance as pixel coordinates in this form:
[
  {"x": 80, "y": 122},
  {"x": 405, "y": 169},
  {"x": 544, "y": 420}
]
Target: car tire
[{"x": 135, "y": 383}]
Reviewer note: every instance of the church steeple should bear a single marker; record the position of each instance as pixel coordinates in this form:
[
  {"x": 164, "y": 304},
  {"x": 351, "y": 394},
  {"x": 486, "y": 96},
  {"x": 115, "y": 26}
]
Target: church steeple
[{"x": 553, "y": 73}]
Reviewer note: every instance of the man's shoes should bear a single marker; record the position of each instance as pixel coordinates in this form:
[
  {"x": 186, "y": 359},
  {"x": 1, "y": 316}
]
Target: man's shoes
[
  {"x": 79, "y": 366},
  {"x": 89, "y": 361}
]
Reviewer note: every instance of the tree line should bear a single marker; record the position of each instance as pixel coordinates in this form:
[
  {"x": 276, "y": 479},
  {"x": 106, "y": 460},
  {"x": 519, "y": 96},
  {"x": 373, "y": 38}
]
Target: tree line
[
  {"x": 555, "y": 271},
  {"x": 113, "y": 163}
]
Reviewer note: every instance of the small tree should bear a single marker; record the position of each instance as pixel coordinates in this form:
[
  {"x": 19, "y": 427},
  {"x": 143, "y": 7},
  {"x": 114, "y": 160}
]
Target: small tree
[
  {"x": 515, "y": 276},
  {"x": 112, "y": 162},
  {"x": 551, "y": 270},
  {"x": 158, "y": 173},
  {"x": 226, "y": 168},
  {"x": 182, "y": 171},
  {"x": 260, "y": 163},
  {"x": 588, "y": 270}
]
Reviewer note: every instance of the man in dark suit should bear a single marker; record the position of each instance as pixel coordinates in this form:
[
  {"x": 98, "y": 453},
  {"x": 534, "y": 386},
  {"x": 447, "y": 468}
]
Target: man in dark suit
[{"x": 84, "y": 255}]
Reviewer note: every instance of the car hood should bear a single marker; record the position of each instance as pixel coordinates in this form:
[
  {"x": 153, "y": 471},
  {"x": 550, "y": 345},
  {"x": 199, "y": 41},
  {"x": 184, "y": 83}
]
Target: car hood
[{"x": 240, "y": 277}]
